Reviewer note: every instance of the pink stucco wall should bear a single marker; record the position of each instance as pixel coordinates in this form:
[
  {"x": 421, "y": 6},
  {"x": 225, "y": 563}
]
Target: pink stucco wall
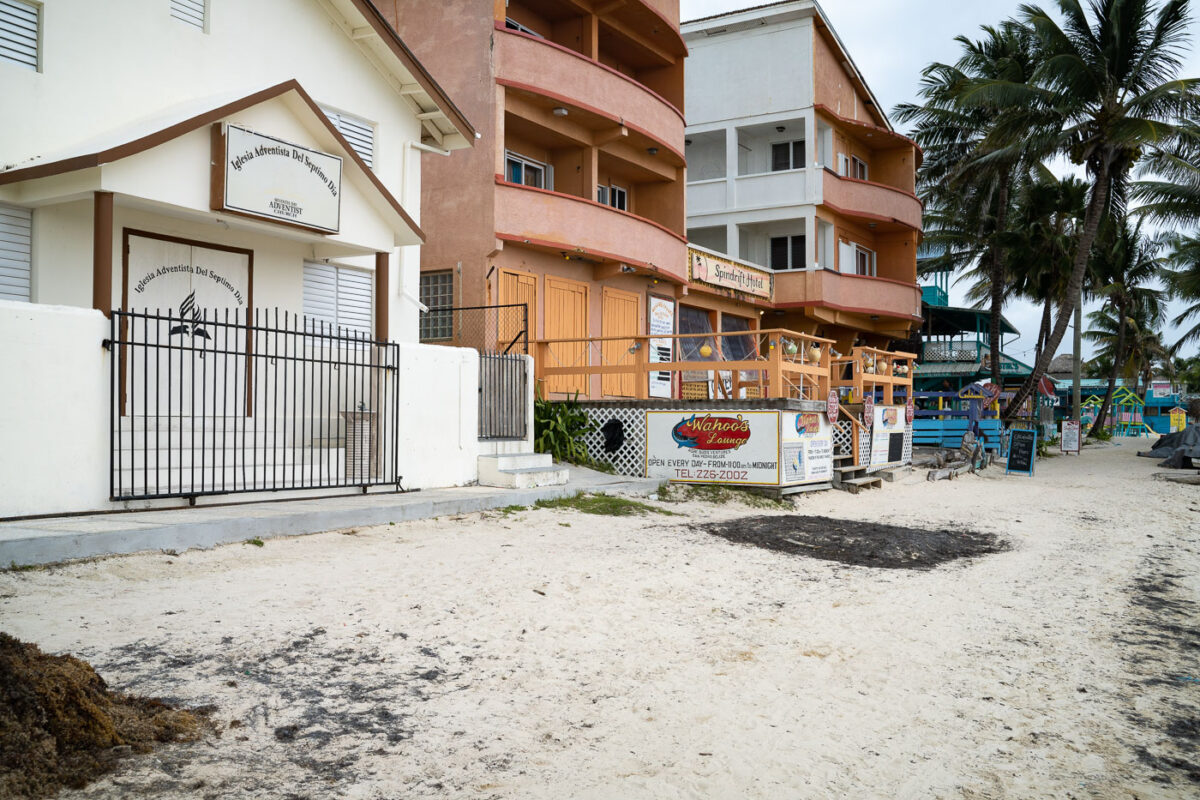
[
  {"x": 557, "y": 71},
  {"x": 848, "y": 194},
  {"x": 549, "y": 217},
  {"x": 848, "y": 292}
]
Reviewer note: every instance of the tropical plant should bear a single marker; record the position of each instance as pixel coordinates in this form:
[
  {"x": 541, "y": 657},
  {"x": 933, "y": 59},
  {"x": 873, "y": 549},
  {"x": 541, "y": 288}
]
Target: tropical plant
[
  {"x": 968, "y": 200},
  {"x": 1186, "y": 372},
  {"x": 1104, "y": 95},
  {"x": 1126, "y": 263},
  {"x": 560, "y": 428}
]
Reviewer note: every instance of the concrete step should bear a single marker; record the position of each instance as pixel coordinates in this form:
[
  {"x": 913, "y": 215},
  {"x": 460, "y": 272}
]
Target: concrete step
[
  {"x": 520, "y": 471},
  {"x": 856, "y": 485},
  {"x": 510, "y": 461},
  {"x": 896, "y": 474}
]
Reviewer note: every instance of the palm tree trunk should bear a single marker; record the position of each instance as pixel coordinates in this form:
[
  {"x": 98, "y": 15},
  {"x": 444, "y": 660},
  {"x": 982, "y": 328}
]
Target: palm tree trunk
[
  {"x": 1044, "y": 330},
  {"x": 1091, "y": 224},
  {"x": 1118, "y": 363},
  {"x": 997, "y": 279}
]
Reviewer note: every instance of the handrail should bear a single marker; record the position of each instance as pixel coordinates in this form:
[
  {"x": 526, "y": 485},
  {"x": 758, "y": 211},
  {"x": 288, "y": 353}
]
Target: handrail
[{"x": 709, "y": 335}]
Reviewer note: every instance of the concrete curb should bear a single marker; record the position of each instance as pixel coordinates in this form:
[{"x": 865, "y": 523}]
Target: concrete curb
[{"x": 50, "y": 541}]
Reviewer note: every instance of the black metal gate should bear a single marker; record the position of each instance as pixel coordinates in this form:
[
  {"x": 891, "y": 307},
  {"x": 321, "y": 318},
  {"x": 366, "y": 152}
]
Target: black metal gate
[
  {"x": 500, "y": 334},
  {"x": 503, "y": 386},
  {"x": 212, "y": 402}
]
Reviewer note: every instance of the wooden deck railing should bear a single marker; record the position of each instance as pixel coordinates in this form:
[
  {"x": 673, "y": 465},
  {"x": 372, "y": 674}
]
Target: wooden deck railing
[
  {"x": 731, "y": 365},
  {"x": 867, "y": 368}
]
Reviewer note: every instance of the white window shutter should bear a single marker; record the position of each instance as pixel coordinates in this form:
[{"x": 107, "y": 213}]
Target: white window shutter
[
  {"x": 19, "y": 23},
  {"x": 359, "y": 133},
  {"x": 843, "y": 164},
  {"x": 191, "y": 12},
  {"x": 338, "y": 297},
  {"x": 846, "y": 258},
  {"x": 16, "y": 249}
]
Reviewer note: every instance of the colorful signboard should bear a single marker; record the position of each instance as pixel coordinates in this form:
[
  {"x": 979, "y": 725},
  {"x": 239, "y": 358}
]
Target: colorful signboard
[
  {"x": 1161, "y": 389},
  {"x": 661, "y": 312},
  {"x": 1069, "y": 438},
  {"x": 717, "y": 271},
  {"x": 868, "y": 414},
  {"x": 265, "y": 177},
  {"x": 805, "y": 448},
  {"x": 739, "y": 448},
  {"x": 831, "y": 407},
  {"x": 910, "y": 410},
  {"x": 887, "y": 435}
]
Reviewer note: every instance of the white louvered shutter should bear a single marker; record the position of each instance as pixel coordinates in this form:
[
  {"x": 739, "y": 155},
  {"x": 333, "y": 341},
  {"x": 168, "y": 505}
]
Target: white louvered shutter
[
  {"x": 189, "y": 11},
  {"x": 338, "y": 297},
  {"x": 19, "y": 22},
  {"x": 358, "y": 132},
  {"x": 16, "y": 227}
]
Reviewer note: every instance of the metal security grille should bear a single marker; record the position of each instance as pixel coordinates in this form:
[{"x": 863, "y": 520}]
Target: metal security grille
[
  {"x": 503, "y": 385},
  {"x": 210, "y": 402}
]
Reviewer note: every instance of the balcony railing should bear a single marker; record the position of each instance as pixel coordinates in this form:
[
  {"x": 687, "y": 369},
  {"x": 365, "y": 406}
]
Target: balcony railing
[
  {"x": 743, "y": 365},
  {"x": 848, "y": 292},
  {"x": 866, "y": 369},
  {"x": 875, "y": 200},
  {"x": 586, "y": 229}
]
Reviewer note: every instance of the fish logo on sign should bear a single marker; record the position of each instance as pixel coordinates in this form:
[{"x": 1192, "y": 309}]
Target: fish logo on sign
[{"x": 711, "y": 433}]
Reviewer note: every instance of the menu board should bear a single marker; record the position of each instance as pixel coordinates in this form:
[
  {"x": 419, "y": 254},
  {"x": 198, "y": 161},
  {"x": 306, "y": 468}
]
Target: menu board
[
  {"x": 1022, "y": 448},
  {"x": 1069, "y": 439}
]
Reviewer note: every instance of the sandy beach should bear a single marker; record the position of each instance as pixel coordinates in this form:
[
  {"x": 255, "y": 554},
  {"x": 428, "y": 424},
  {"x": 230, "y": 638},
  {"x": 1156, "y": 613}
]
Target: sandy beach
[{"x": 553, "y": 654}]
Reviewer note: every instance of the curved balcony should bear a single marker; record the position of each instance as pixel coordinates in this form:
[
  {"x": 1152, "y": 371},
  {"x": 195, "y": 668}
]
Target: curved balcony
[
  {"x": 555, "y": 71},
  {"x": 871, "y": 200},
  {"x": 571, "y": 224},
  {"x": 857, "y": 294}
]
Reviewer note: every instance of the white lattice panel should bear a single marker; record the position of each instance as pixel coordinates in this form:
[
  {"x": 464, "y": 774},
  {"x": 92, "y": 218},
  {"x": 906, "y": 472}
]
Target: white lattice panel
[
  {"x": 843, "y": 439},
  {"x": 630, "y": 457}
]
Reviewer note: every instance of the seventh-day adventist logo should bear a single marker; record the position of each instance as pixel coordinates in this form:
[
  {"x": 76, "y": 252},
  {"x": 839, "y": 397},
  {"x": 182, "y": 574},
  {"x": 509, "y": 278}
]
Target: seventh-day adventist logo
[{"x": 711, "y": 433}]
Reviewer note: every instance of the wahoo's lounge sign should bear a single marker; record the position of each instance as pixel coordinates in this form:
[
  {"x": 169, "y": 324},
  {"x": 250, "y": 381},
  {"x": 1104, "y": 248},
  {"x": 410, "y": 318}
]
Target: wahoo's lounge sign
[
  {"x": 715, "y": 271},
  {"x": 261, "y": 176}
]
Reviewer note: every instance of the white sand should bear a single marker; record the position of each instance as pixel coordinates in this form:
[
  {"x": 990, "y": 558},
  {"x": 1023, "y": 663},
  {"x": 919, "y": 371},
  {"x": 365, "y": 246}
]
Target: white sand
[{"x": 652, "y": 661}]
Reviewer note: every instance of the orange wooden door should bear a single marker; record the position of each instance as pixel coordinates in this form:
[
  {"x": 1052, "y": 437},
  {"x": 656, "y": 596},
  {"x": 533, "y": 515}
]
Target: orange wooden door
[
  {"x": 567, "y": 318},
  {"x": 516, "y": 287},
  {"x": 619, "y": 316}
]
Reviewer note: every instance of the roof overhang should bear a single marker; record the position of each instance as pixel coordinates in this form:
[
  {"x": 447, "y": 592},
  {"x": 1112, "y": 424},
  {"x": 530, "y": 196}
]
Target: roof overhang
[
  {"x": 90, "y": 158},
  {"x": 443, "y": 125}
]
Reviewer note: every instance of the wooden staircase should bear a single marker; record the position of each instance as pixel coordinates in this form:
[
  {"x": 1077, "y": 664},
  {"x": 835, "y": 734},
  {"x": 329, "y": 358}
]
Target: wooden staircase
[{"x": 851, "y": 478}]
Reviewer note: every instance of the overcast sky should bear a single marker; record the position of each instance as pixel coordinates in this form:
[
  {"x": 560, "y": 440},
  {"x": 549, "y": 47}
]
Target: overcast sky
[{"x": 891, "y": 41}]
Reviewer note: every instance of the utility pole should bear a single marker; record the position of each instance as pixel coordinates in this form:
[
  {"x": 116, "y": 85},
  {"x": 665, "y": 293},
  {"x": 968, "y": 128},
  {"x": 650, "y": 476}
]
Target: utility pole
[{"x": 1076, "y": 363}]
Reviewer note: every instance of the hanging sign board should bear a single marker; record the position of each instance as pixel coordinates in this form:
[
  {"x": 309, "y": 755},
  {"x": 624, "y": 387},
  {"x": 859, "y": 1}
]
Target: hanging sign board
[
  {"x": 806, "y": 448},
  {"x": 1069, "y": 438},
  {"x": 868, "y": 414},
  {"x": 717, "y": 271},
  {"x": 910, "y": 410},
  {"x": 261, "y": 176},
  {"x": 1022, "y": 449},
  {"x": 738, "y": 448},
  {"x": 661, "y": 313},
  {"x": 1160, "y": 389},
  {"x": 887, "y": 435},
  {"x": 831, "y": 407}
]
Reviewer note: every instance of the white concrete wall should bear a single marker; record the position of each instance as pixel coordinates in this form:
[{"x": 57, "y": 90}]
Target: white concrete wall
[
  {"x": 439, "y": 415},
  {"x": 54, "y": 431},
  {"x": 749, "y": 73}
]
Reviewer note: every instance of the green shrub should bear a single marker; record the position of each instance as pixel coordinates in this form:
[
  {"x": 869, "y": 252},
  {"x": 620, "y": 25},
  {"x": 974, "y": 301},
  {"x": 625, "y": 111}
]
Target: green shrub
[{"x": 559, "y": 429}]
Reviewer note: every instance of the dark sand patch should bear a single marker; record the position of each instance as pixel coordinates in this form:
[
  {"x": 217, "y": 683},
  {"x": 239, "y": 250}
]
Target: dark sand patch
[
  {"x": 862, "y": 544},
  {"x": 61, "y": 726}
]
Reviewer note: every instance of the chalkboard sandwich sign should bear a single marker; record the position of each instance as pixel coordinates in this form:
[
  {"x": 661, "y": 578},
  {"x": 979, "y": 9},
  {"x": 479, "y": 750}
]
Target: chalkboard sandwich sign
[{"x": 1022, "y": 450}]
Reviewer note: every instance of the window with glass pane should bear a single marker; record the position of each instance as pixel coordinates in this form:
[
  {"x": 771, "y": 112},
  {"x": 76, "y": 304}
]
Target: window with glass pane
[
  {"x": 525, "y": 171},
  {"x": 860, "y": 168},
  {"x": 787, "y": 252},
  {"x": 695, "y": 320},
  {"x": 864, "y": 261},
  {"x": 787, "y": 155},
  {"x": 736, "y": 348},
  {"x": 437, "y": 294}
]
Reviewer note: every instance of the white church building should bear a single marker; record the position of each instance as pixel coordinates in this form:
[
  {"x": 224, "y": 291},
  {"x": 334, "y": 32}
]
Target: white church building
[{"x": 209, "y": 241}]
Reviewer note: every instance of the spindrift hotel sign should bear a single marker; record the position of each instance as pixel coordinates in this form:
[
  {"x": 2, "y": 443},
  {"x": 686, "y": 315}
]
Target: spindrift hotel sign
[{"x": 261, "y": 176}]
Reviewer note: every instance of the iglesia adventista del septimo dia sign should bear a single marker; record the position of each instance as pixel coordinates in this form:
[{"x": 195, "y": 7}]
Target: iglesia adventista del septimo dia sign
[
  {"x": 265, "y": 177},
  {"x": 741, "y": 448}
]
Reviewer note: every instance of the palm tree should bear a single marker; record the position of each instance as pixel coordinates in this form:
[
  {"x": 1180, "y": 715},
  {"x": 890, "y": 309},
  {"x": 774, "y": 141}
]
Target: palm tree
[
  {"x": 1126, "y": 262},
  {"x": 968, "y": 204},
  {"x": 1104, "y": 94}
]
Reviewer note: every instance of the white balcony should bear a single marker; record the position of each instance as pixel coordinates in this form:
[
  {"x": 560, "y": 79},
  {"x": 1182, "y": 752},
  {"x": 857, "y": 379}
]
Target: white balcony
[{"x": 764, "y": 190}]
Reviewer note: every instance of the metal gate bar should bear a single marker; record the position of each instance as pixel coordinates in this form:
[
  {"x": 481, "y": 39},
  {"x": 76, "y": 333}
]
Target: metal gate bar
[
  {"x": 503, "y": 384},
  {"x": 209, "y": 402}
]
